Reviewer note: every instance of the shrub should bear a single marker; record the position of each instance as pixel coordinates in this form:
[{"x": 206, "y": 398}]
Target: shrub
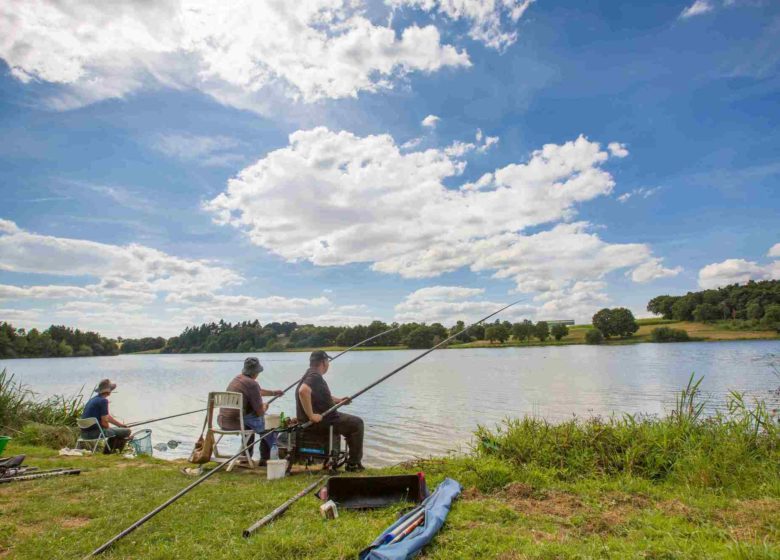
[
  {"x": 55, "y": 437},
  {"x": 667, "y": 334},
  {"x": 559, "y": 330},
  {"x": 594, "y": 336}
]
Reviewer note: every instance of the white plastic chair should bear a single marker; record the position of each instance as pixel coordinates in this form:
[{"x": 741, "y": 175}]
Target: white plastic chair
[
  {"x": 85, "y": 424},
  {"x": 230, "y": 400}
]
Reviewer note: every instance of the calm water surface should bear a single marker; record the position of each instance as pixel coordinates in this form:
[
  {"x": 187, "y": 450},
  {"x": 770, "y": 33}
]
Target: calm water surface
[{"x": 433, "y": 406}]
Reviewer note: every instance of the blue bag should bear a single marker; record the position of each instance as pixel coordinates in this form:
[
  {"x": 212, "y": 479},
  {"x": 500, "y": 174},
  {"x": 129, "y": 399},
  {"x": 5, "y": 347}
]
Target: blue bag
[{"x": 435, "y": 507}]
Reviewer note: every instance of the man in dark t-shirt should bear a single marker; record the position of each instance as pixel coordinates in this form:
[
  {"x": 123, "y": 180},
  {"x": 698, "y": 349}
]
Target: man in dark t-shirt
[
  {"x": 313, "y": 398},
  {"x": 97, "y": 408}
]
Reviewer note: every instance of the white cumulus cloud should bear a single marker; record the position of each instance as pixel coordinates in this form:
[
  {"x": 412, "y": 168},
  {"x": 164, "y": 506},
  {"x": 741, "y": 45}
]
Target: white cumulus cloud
[
  {"x": 238, "y": 52},
  {"x": 492, "y": 22},
  {"x": 739, "y": 271},
  {"x": 335, "y": 198},
  {"x": 774, "y": 251},
  {"x": 134, "y": 290}
]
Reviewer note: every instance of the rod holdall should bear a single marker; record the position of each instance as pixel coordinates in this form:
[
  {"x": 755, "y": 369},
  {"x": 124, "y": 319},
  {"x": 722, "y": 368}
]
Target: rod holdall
[{"x": 204, "y": 447}]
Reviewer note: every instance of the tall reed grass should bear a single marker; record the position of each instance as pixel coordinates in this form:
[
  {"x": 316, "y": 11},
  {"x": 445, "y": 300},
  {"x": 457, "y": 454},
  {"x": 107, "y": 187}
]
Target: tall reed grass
[
  {"x": 19, "y": 406},
  {"x": 686, "y": 445}
]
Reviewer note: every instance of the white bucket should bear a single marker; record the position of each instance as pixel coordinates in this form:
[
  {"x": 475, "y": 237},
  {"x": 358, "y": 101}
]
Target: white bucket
[
  {"x": 272, "y": 421},
  {"x": 276, "y": 468}
]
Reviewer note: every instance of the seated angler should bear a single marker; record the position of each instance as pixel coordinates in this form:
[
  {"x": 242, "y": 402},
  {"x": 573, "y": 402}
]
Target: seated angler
[
  {"x": 97, "y": 407},
  {"x": 313, "y": 398},
  {"x": 254, "y": 408}
]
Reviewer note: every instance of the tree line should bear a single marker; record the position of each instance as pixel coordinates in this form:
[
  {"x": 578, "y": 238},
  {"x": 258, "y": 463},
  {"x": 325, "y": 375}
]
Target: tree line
[
  {"x": 55, "y": 342},
  {"x": 248, "y": 336},
  {"x": 754, "y": 302}
]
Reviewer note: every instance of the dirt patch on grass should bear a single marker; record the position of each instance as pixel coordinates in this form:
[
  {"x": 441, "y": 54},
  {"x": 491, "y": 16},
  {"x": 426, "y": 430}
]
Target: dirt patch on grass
[
  {"x": 74, "y": 522},
  {"x": 555, "y": 504},
  {"x": 750, "y": 520}
]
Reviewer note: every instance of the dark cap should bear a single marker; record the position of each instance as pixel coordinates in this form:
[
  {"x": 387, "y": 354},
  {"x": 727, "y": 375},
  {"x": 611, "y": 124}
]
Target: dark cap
[
  {"x": 104, "y": 386},
  {"x": 318, "y": 356},
  {"x": 252, "y": 366}
]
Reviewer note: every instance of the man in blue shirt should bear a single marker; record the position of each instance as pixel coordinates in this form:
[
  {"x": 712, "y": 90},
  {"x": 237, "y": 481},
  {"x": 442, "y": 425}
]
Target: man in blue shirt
[{"x": 97, "y": 407}]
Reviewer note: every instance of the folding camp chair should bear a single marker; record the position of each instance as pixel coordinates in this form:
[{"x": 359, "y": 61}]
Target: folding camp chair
[
  {"x": 85, "y": 424},
  {"x": 229, "y": 400}
]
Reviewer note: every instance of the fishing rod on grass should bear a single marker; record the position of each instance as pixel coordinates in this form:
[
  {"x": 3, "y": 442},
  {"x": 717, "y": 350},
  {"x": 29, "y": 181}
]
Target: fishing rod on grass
[
  {"x": 361, "y": 343},
  {"x": 203, "y": 478}
]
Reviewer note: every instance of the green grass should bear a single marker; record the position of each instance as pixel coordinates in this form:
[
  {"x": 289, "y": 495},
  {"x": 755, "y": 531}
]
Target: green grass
[{"x": 685, "y": 487}]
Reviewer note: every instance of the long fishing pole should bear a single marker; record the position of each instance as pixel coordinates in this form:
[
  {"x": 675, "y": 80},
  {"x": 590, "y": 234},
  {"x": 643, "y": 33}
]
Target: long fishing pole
[
  {"x": 133, "y": 424},
  {"x": 282, "y": 508},
  {"x": 203, "y": 478},
  {"x": 407, "y": 364},
  {"x": 361, "y": 343}
]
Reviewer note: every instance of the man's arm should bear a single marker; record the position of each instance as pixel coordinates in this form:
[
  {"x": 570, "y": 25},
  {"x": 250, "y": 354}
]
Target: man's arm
[
  {"x": 339, "y": 400},
  {"x": 305, "y": 394},
  {"x": 269, "y": 393},
  {"x": 112, "y": 420}
]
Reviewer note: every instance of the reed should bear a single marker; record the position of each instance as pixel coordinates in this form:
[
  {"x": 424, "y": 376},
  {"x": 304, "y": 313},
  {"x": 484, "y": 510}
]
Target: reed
[
  {"x": 726, "y": 448},
  {"x": 19, "y": 406}
]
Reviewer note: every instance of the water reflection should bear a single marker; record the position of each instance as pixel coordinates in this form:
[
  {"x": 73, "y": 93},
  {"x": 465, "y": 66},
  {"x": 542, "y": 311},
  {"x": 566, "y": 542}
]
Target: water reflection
[{"x": 435, "y": 404}]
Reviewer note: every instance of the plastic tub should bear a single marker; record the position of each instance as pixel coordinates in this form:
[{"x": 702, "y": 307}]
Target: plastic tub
[
  {"x": 3, "y": 442},
  {"x": 277, "y": 468}
]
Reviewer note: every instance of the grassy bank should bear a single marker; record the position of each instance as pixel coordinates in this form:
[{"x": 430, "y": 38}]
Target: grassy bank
[{"x": 678, "y": 487}]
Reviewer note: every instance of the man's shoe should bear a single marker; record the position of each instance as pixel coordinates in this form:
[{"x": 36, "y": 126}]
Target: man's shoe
[
  {"x": 262, "y": 463},
  {"x": 354, "y": 467}
]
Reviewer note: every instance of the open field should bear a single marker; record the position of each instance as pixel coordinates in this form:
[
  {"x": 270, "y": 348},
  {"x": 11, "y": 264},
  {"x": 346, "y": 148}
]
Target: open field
[{"x": 697, "y": 332}]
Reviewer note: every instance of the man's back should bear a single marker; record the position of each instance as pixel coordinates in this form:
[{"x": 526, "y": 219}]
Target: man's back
[
  {"x": 321, "y": 399},
  {"x": 253, "y": 402}
]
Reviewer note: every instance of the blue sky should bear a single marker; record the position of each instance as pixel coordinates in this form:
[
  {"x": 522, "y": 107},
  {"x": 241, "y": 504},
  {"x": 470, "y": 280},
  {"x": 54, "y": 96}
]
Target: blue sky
[{"x": 276, "y": 162}]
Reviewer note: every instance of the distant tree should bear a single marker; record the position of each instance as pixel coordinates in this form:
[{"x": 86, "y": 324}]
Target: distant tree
[
  {"x": 682, "y": 310},
  {"x": 542, "y": 330},
  {"x": 559, "y": 330},
  {"x": 421, "y": 337},
  {"x": 594, "y": 336},
  {"x": 706, "y": 312},
  {"x": 523, "y": 331},
  {"x": 772, "y": 317},
  {"x": 602, "y": 321},
  {"x": 754, "y": 310},
  {"x": 497, "y": 332},
  {"x": 478, "y": 332},
  {"x": 459, "y": 326},
  {"x": 84, "y": 351},
  {"x": 662, "y": 305},
  {"x": 615, "y": 322}
]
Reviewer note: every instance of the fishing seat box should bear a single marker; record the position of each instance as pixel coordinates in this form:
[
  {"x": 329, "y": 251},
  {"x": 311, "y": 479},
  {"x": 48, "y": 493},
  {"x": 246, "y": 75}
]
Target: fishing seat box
[
  {"x": 367, "y": 492},
  {"x": 309, "y": 443}
]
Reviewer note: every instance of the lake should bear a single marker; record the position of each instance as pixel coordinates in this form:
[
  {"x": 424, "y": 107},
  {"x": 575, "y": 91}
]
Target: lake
[{"x": 433, "y": 406}]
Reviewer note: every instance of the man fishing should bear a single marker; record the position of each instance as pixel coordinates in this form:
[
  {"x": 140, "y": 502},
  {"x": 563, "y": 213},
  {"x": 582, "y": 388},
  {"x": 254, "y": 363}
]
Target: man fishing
[
  {"x": 254, "y": 408},
  {"x": 97, "y": 407},
  {"x": 313, "y": 398}
]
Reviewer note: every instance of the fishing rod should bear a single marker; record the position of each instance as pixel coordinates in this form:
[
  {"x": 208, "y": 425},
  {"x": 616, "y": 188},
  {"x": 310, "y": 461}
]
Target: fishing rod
[
  {"x": 362, "y": 342},
  {"x": 133, "y": 424},
  {"x": 282, "y": 508},
  {"x": 349, "y": 399},
  {"x": 213, "y": 471}
]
